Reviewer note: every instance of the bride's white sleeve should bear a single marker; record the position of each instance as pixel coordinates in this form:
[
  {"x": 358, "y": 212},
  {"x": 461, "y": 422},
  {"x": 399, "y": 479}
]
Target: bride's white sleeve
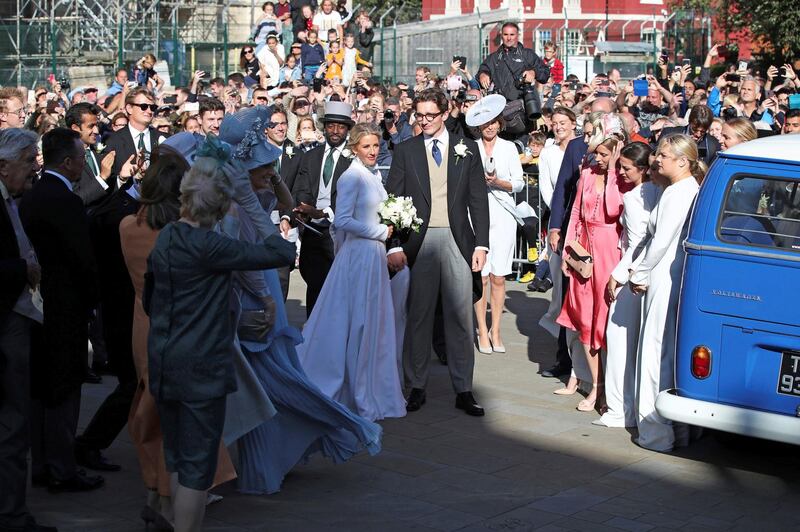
[{"x": 348, "y": 189}]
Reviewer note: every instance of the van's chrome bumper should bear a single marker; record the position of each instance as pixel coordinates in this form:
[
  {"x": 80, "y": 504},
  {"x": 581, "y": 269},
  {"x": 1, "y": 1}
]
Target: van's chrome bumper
[{"x": 777, "y": 427}]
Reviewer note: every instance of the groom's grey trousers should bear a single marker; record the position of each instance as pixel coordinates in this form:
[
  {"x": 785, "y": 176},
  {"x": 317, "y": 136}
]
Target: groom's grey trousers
[{"x": 439, "y": 268}]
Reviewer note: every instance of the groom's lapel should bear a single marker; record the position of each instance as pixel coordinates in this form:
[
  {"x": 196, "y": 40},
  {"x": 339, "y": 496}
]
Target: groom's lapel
[
  {"x": 420, "y": 165},
  {"x": 455, "y": 169}
]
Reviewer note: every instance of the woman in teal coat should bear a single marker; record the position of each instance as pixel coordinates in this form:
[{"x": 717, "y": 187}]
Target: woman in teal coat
[{"x": 191, "y": 329}]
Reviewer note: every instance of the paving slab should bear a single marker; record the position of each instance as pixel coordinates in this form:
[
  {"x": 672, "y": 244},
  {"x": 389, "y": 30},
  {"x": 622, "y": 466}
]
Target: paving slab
[{"x": 532, "y": 463}]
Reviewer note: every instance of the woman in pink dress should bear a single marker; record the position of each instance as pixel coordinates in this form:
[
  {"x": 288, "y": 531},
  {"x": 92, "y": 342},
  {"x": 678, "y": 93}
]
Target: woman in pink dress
[{"x": 594, "y": 223}]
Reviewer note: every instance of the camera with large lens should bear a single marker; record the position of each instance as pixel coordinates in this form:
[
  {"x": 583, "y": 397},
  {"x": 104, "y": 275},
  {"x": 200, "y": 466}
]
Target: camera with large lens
[
  {"x": 388, "y": 115},
  {"x": 530, "y": 96},
  {"x": 64, "y": 83}
]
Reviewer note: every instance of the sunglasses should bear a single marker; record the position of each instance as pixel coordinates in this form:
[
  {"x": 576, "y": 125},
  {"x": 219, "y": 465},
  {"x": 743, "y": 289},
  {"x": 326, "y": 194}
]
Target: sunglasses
[
  {"x": 300, "y": 104},
  {"x": 261, "y": 98},
  {"x": 248, "y": 51},
  {"x": 145, "y": 106}
]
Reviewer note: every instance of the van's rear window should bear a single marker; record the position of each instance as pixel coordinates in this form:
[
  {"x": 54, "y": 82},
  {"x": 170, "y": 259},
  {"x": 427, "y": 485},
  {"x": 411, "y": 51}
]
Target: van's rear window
[{"x": 762, "y": 212}]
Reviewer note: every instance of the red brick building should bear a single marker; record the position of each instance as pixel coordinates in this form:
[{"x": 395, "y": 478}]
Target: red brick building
[{"x": 576, "y": 24}]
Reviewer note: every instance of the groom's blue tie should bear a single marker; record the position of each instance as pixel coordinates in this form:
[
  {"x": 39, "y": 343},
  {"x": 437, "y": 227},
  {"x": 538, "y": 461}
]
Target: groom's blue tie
[{"x": 436, "y": 153}]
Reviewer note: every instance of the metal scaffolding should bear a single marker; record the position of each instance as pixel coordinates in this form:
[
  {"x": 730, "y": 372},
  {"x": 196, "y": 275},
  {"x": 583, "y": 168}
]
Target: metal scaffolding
[{"x": 40, "y": 37}]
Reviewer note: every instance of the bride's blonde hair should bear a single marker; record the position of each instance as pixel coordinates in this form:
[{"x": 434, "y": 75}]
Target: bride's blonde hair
[{"x": 360, "y": 131}]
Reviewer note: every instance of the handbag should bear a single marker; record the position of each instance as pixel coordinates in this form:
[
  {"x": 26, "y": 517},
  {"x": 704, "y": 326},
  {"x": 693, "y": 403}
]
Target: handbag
[
  {"x": 514, "y": 111},
  {"x": 575, "y": 255},
  {"x": 514, "y": 117},
  {"x": 579, "y": 259},
  {"x": 254, "y": 325}
]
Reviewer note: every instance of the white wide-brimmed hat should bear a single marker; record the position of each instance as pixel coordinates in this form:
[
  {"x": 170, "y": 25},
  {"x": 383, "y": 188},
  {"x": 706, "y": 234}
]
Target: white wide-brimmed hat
[{"x": 485, "y": 110}]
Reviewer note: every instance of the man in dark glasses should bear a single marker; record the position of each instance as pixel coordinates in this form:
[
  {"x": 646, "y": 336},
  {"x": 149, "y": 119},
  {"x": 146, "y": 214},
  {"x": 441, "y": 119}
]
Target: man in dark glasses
[{"x": 134, "y": 144}]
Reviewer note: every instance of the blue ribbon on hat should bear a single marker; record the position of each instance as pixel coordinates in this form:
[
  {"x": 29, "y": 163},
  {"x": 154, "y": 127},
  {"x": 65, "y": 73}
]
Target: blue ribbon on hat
[
  {"x": 254, "y": 136},
  {"x": 214, "y": 148}
]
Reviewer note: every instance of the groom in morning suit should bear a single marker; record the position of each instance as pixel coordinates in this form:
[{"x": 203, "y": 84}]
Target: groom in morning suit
[{"x": 443, "y": 174}]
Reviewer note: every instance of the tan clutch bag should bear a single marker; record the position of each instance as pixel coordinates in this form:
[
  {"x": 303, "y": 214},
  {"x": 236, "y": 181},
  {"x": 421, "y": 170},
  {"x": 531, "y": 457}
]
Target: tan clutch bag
[{"x": 578, "y": 259}]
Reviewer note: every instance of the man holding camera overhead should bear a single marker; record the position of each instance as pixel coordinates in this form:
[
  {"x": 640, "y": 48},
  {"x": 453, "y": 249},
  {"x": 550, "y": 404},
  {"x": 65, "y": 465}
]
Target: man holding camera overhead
[{"x": 507, "y": 65}]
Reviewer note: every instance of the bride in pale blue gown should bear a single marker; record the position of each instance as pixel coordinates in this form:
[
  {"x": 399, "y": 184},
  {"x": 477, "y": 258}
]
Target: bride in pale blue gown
[
  {"x": 350, "y": 344},
  {"x": 306, "y": 420}
]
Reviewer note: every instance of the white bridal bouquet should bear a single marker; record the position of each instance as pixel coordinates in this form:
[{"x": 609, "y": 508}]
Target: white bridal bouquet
[{"x": 400, "y": 212}]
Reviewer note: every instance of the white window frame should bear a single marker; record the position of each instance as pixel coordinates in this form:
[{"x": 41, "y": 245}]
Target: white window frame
[
  {"x": 573, "y": 40},
  {"x": 542, "y": 36}
]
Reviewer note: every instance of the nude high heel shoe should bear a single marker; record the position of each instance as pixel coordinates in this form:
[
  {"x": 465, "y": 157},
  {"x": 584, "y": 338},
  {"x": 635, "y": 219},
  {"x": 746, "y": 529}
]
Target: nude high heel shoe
[{"x": 570, "y": 389}]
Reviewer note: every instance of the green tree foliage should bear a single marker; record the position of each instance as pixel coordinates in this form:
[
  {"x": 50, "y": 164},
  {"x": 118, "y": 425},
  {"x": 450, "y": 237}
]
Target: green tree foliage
[
  {"x": 771, "y": 24},
  {"x": 411, "y": 11}
]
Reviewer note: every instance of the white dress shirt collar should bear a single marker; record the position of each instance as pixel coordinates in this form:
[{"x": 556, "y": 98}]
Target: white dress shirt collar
[
  {"x": 443, "y": 137},
  {"x": 135, "y": 136},
  {"x": 61, "y": 177}
]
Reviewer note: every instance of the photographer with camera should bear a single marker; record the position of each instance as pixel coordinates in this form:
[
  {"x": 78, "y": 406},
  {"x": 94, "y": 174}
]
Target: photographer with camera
[
  {"x": 395, "y": 124},
  {"x": 456, "y": 123},
  {"x": 512, "y": 70}
]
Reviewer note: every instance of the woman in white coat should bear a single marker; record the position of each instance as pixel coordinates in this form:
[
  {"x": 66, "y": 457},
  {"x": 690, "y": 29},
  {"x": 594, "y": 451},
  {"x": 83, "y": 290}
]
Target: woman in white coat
[
  {"x": 658, "y": 276},
  {"x": 503, "y": 172},
  {"x": 624, "y": 316}
]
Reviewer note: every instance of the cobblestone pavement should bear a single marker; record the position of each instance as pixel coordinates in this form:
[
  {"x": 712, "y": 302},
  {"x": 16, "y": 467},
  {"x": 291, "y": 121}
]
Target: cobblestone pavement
[{"x": 532, "y": 463}]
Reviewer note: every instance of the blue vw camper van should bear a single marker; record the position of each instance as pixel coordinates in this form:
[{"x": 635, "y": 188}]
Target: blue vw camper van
[{"x": 737, "y": 364}]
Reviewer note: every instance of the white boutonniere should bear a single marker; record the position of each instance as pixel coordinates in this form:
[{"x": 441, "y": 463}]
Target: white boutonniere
[
  {"x": 290, "y": 151},
  {"x": 347, "y": 153},
  {"x": 99, "y": 147},
  {"x": 461, "y": 150}
]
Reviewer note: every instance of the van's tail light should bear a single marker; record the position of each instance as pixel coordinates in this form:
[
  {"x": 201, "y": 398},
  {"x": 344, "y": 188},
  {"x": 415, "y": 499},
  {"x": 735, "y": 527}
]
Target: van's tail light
[{"x": 701, "y": 362}]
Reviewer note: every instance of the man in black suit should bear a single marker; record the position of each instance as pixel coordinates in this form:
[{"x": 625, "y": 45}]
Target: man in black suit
[
  {"x": 94, "y": 185},
  {"x": 133, "y": 145},
  {"x": 19, "y": 275},
  {"x": 55, "y": 221},
  {"x": 93, "y": 188},
  {"x": 116, "y": 318},
  {"x": 286, "y": 166},
  {"x": 700, "y": 118},
  {"x": 314, "y": 194},
  {"x": 444, "y": 176}
]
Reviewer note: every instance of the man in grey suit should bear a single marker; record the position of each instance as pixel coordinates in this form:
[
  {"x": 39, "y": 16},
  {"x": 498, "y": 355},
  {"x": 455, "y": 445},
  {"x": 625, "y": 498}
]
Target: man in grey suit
[{"x": 444, "y": 176}]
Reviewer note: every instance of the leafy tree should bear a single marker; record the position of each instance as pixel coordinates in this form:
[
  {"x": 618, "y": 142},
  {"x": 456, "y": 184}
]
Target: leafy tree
[
  {"x": 411, "y": 12},
  {"x": 772, "y": 25}
]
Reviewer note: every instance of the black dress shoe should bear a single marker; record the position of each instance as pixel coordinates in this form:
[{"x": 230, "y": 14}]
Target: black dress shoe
[
  {"x": 92, "y": 377},
  {"x": 41, "y": 480},
  {"x": 35, "y": 527},
  {"x": 93, "y": 459},
  {"x": 101, "y": 368},
  {"x": 80, "y": 482},
  {"x": 555, "y": 372},
  {"x": 466, "y": 402},
  {"x": 415, "y": 400},
  {"x": 544, "y": 285}
]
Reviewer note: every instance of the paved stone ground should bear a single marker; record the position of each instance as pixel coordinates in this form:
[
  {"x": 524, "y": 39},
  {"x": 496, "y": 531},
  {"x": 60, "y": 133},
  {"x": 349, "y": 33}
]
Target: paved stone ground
[{"x": 533, "y": 463}]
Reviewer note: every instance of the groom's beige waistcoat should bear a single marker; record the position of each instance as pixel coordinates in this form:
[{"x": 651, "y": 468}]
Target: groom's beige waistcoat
[{"x": 438, "y": 175}]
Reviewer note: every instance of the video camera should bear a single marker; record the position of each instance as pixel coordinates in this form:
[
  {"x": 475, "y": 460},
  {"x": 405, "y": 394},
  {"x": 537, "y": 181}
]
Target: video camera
[{"x": 530, "y": 96}]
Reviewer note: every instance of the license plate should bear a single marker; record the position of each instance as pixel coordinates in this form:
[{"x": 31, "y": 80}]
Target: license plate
[{"x": 789, "y": 376}]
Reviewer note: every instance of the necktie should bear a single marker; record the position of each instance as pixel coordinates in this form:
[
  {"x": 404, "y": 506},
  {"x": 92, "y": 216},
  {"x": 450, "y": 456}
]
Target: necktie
[
  {"x": 327, "y": 168},
  {"x": 141, "y": 141},
  {"x": 91, "y": 162},
  {"x": 278, "y": 164},
  {"x": 436, "y": 153}
]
